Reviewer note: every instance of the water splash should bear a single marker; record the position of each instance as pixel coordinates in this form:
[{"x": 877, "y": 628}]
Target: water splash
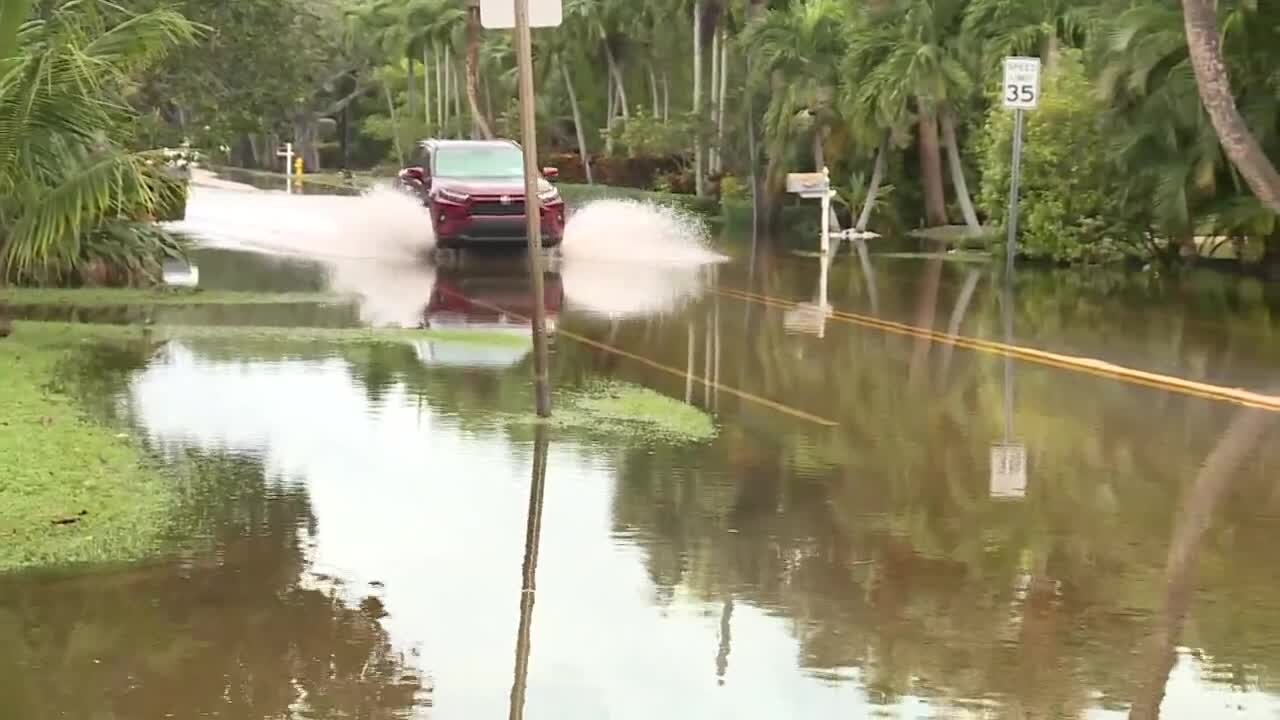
[
  {"x": 638, "y": 232},
  {"x": 374, "y": 244},
  {"x": 616, "y": 290},
  {"x": 382, "y": 223}
]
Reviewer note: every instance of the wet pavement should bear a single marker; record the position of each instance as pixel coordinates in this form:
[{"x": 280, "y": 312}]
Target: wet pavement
[{"x": 885, "y": 525}]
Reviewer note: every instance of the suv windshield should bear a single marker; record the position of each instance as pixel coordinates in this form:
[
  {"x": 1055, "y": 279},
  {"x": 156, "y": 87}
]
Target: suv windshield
[{"x": 484, "y": 161}]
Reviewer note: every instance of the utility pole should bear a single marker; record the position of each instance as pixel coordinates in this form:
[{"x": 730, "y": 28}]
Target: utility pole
[
  {"x": 532, "y": 207},
  {"x": 547, "y": 13}
]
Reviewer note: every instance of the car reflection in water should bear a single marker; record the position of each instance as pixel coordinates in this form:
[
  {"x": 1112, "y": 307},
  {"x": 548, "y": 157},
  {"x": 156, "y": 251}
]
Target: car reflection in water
[{"x": 492, "y": 297}]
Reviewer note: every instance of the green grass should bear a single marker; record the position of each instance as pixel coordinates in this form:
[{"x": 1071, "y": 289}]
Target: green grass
[
  {"x": 106, "y": 297},
  {"x": 622, "y": 410},
  {"x": 55, "y": 463},
  {"x": 258, "y": 334}
]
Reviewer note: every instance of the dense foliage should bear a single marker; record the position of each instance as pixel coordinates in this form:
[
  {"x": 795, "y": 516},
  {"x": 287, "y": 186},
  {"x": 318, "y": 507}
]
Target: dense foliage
[
  {"x": 1125, "y": 158},
  {"x": 70, "y": 188}
]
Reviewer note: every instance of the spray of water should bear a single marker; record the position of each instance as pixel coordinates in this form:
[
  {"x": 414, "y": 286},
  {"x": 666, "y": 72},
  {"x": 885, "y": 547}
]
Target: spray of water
[
  {"x": 382, "y": 223},
  {"x": 625, "y": 258},
  {"x": 373, "y": 243},
  {"x": 631, "y": 231}
]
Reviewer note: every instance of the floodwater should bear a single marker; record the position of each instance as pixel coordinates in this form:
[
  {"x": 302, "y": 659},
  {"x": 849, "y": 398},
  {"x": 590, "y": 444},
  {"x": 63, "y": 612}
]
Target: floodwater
[{"x": 857, "y": 541}]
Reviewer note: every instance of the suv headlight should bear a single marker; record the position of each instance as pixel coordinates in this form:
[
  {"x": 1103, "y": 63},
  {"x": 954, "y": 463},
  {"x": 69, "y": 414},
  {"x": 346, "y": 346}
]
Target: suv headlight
[
  {"x": 452, "y": 195},
  {"x": 549, "y": 195}
]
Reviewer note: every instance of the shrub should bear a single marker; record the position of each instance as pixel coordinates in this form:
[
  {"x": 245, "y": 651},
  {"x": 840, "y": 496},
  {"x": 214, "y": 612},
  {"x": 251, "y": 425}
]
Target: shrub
[{"x": 1072, "y": 207}]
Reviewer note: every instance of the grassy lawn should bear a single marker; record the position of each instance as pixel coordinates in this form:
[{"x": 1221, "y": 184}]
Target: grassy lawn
[{"x": 73, "y": 490}]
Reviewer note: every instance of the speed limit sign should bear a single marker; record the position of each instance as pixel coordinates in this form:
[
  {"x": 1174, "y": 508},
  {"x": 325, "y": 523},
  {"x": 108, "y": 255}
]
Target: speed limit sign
[{"x": 1021, "y": 89}]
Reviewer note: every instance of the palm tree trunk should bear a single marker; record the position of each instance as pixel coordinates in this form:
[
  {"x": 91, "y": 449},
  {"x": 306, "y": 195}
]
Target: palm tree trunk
[
  {"x": 426, "y": 84},
  {"x": 577, "y": 119},
  {"x": 439, "y": 89},
  {"x": 957, "y": 172},
  {"x": 1200, "y": 19},
  {"x": 442, "y": 86},
  {"x": 395, "y": 122},
  {"x": 873, "y": 189},
  {"x": 699, "y": 149},
  {"x": 666, "y": 96},
  {"x": 457, "y": 99},
  {"x": 412, "y": 80},
  {"x": 819, "y": 156},
  {"x": 935, "y": 204},
  {"x": 720, "y": 104},
  {"x": 616, "y": 71},
  {"x": 479, "y": 123},
  {"x": 713, "y": 160},
  {"x": 653, "y": 85}
]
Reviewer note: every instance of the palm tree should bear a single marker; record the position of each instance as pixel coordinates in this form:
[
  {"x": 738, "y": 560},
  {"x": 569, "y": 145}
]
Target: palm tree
[
  {"x": 1027, "y": 27},
  {"x": 908, "y": 61},
  {"x": 64, "y": 171},
  {"x": 1201, "y": 22},
  {"x": 790, "y": 54}
]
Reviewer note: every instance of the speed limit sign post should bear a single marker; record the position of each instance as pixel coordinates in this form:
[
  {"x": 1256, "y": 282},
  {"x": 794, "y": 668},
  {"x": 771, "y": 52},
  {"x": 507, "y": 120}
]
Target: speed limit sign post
[{"x": 1021, "y": 92}]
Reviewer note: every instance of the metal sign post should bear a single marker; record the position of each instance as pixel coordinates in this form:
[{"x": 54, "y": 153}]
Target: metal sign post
[
  {"x": 545, "y": 13},
  {"x": 1021, "y": 92}
]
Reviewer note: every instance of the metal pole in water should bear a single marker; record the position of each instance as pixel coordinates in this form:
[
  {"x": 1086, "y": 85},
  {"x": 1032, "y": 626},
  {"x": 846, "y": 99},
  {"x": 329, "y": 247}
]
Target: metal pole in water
[
  {"x": 1015, "y": 176},
  {"x": 533, "y": 206}
]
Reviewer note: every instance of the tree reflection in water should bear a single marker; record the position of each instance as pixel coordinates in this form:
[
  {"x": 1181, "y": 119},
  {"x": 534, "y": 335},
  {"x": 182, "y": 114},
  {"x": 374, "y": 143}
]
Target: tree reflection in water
[{"x": 241, "y": 632}]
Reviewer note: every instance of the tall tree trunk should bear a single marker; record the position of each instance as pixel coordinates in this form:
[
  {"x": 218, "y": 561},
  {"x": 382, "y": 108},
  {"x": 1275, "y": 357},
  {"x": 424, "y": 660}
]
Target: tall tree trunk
[
  {"x": 873, "y": 189},
  {"x": 457, "y": 100},
  {"x": 448, "y": 82},
  {"x": 616, "y": 71},
  {"x": 395, "y": 123},
  {"x": 721, "y": 103},
  {"x": 577, "y": 118},
  {"x": 479, "y": 121},
  {"x": 819, "y": 155},
  {"x": 699, "y": 149},
  {"x": 440, "y": 94},
  {"x": 653, "y": 85},
  {"x": 411, "y": 82},
  {"x": 713, "y": 152},
  {"x": 666, "y": 96},
  {"x": 610, "y": 109},
  {"x": 426, "y": 84},
  {"x": 935, "y": 203},
  {"x": 957, "y": 172},
  {"x": 1201, "y": 21}
]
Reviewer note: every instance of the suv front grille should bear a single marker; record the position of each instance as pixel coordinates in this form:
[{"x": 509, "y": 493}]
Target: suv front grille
[{"x": 493, "y": 207}]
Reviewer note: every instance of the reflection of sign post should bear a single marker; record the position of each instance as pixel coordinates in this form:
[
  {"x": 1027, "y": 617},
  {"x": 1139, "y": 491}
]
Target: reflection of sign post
[
  {"x": 1020, "y": 92},
  {"x": 815, "y": 185},
  {"x": 1008, "y": 470}
]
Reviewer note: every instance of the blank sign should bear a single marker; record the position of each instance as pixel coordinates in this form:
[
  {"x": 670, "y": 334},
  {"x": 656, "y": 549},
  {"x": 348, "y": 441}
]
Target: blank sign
[{"x": 501, "y": 14}]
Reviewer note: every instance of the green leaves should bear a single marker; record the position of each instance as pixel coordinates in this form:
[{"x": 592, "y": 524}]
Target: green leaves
[{"x": 63, "y": 171}]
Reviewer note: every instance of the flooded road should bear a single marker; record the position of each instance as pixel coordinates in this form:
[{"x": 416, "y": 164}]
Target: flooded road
[{"x": 884, "y": 525}]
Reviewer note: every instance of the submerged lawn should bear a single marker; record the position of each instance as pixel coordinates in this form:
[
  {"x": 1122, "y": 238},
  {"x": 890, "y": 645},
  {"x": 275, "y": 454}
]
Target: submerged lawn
[{"x": 71, "y": 490}]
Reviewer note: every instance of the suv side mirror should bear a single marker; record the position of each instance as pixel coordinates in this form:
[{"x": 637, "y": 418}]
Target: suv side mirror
[
  {"x": 551, "y": 174},
  {"x": 415, "y": 174}
]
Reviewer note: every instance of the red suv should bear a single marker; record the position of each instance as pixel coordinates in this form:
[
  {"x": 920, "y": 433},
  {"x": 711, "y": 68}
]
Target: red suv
[{"x": 475, "y": 190}]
